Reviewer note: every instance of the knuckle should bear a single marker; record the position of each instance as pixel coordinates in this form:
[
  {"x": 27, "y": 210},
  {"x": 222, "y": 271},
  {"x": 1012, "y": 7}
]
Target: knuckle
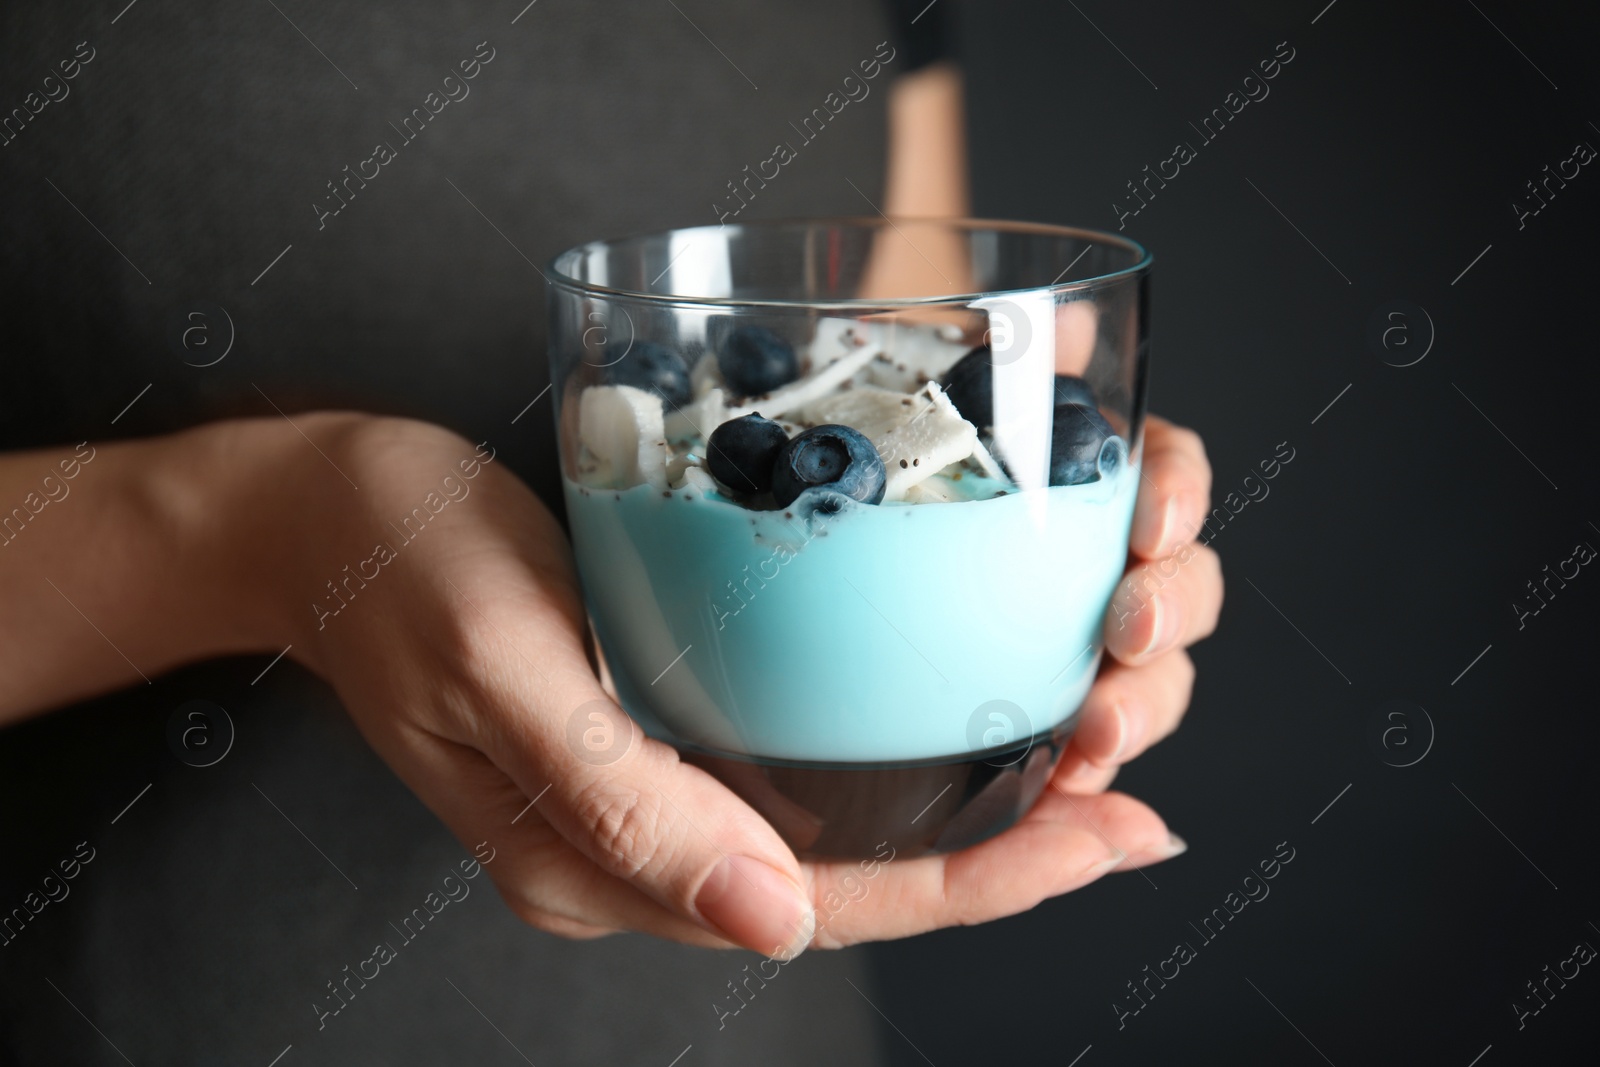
[
  {"x": 625, "y": 827},
  {"x": 383, "y": 435}
]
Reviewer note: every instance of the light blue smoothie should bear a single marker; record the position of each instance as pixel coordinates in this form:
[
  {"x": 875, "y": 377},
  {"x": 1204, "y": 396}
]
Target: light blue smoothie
[{"x": 869, "y": 635}]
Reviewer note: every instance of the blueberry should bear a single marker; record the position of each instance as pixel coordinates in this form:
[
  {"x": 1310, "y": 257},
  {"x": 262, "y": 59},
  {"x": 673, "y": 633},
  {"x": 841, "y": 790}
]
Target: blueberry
[
  {"x": 970, "y": 386},
  {"x": 755, "y": 361},
  {"x": 836, "y": 457},
  {"x": 1077, "y": 436},
  {"x": 743, "y": 452},
  {"x": 652, "y": 367},
  {"x": 1073, "y": 390}
]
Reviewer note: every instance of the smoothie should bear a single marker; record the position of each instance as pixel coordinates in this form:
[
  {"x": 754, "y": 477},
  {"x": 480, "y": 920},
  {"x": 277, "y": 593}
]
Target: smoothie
[
  {"x": 870, "y": 634},
  {"x": 841, "y": 569}
]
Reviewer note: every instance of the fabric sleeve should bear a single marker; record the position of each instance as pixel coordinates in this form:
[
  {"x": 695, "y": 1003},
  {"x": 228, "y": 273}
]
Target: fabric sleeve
[{"x": 922, "y": 32}]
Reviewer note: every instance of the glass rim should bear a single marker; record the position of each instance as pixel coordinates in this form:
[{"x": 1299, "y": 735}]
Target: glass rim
[{"x": 558, "y": 278}]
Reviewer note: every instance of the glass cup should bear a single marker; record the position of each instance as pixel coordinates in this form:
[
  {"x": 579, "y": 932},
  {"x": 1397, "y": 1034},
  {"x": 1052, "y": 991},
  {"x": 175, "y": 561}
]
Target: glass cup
[{"x": 849, "y": 500}]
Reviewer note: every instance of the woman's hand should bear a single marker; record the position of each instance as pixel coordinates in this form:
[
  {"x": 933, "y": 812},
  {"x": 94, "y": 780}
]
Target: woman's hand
[
  {"x": 460, "y": 651},
  {"x": 459, "y": 648},
  {"x": 1168, "y": 600},
  {"x": 437, "y": 595}
]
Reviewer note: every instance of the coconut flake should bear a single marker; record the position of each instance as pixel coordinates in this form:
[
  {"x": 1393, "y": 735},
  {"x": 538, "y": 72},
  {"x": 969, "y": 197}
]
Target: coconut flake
[
  {"x": 697, "y": 478},
  {"x": 868, "y": 408},
  {"x": 937, "y": 489},
  {"x": 989, "y": 466},
  {"x": 705, "y": 376},
  {"x": 917, "y": 355},
  {"x": 798, "y": 394},
  {"x": 836, "y": 338},
  {"x": 698, "y": 418},
  {"x": 929, "y": 442},
  {"x": 622, "y": 428}
]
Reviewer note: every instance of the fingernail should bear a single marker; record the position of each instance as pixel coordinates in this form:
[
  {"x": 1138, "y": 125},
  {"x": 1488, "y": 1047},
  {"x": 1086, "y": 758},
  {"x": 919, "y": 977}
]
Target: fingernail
[
  {"x": 1166, "y": 627},
  {"x": 1175, "y": 846},
  {"x": 800, "y": 937},
  {"x": 1084, "y": 771},
  {"x": 1168, "y": 526},
  {"x": 757, "y": 906},
  {"x": 1130, "y": 731}
]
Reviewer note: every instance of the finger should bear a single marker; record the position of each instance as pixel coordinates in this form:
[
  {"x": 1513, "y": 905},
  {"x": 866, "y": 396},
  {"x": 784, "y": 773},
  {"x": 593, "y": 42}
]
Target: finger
[
  {"x": 1128, "y": 828},
  {"x": 543, "y": 879},
  {"x": 684, "y": 839},
  {"x": 1078, "y": 775},
  {"x": 665, "y": 827},
  {"x": 1063, "y": 843},
  {"x": 1174, "y": 490},
  {"x": 1131, "y": 708},
  {"x": 1077, "y": 324},
  {"x": 1165, "y": 604}
]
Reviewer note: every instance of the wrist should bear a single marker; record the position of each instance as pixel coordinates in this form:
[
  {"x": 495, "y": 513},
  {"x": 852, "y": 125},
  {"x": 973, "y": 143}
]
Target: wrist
[
  {"x": 158, "y": 552},
  {"x": 366, "y": 491},
  {"x": 275, "y": 501}
]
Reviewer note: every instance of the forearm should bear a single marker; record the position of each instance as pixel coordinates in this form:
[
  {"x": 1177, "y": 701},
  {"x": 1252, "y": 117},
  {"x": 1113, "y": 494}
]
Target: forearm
[
  {"x": 120, "y": 561},
  {"x": 927, "y": 175},
  {"x": 927, "y": 178}
]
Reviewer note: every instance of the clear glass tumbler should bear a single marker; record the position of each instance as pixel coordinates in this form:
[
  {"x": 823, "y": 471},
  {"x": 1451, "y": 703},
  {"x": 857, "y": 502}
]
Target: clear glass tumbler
[{"x": 849, "y": 499}]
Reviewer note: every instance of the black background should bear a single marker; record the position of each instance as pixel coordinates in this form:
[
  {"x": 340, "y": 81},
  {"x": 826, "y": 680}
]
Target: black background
[{"x": 1393, "y": 546}]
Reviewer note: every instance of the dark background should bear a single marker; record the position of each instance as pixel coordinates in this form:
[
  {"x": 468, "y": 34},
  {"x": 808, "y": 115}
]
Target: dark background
[
  {"x": 1396, "y": 541},
  {"x": 1392, "y": 548}
]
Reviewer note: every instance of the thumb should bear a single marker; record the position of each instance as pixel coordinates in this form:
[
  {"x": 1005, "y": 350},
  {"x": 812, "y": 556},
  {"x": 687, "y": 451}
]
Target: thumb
[
  {"x": 621, "y": 799},
  {"x": 630, "y": 805}
]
